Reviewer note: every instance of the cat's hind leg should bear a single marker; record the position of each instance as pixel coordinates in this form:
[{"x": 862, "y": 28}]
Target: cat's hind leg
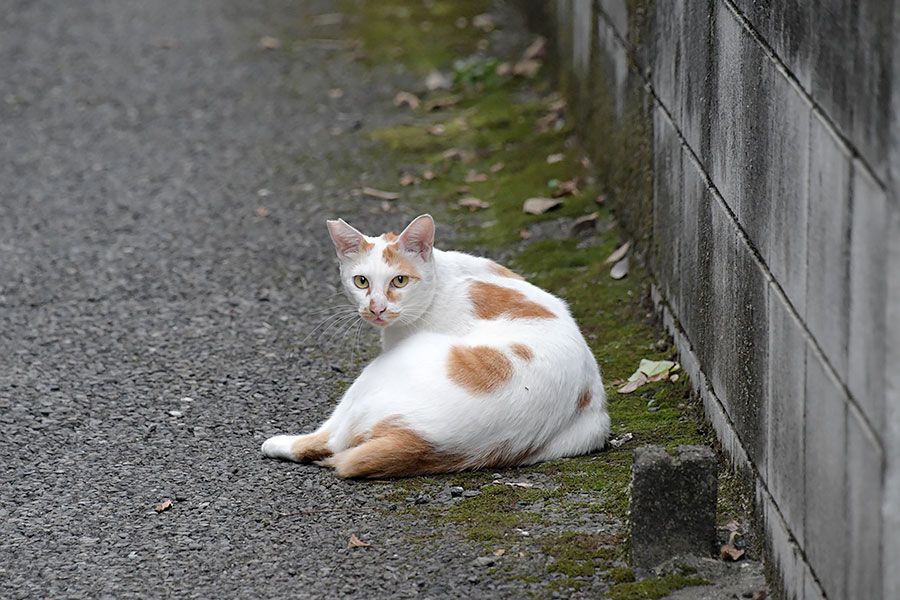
[
  {"x": 298, "y": 448},
  {"x": 389, "y": 452}
]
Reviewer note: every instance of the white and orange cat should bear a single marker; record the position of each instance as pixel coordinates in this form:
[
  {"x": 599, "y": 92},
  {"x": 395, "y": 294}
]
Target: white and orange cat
[{"x": 479, "y": 368}]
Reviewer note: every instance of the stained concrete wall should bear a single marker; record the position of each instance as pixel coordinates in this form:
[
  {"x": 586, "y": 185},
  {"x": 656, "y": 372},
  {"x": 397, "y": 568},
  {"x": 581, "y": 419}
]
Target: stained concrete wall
[{"x": 752, "y": 148}]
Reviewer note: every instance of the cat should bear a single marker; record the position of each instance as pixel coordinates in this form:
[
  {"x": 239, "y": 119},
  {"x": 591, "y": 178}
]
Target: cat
[{"x": 478, "y": 369}]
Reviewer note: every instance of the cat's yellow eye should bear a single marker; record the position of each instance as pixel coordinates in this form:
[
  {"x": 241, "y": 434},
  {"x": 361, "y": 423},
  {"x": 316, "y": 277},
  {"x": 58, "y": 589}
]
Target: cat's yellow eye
[
  {"x": 361, "y": 282},
  {"x": 400, "y": 281}
]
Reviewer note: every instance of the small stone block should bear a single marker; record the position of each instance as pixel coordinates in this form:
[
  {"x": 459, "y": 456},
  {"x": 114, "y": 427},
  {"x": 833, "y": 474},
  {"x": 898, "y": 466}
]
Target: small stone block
[{"x": 673, "y": 503}]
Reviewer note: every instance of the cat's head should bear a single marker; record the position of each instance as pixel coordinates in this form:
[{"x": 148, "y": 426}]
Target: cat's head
[{"x": 390, "y": 277}]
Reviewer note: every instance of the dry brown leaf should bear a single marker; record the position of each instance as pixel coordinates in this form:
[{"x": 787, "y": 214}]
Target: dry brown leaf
[
  {"x": 729, "y": 550},
  {"x": 618, "y": 253},
  {"x": 499, "y": 552},
  {"x": 268, "y": 42},
  {"x": 621, "y": 440},
  {"x": 474, "y": 176},
  {"x": 484, "y": 22},
  {"x": 451, "y": 153},
  {"x": 262, "y": 211},
  {"x": 437, "y": 129},
  {"x": 355, "y": 542},
  {"x": 504, "y": 69},
  {"x": 443, "y": 102},
  {"x": 524, "y": 234},
  {"x": 406, "y": 98},
  {"x": 555, "y": 158},
  {"x": 464, "y": 189},
  {"x": 760, "y": 595},
  {"x": 409, "y": 179},
  {"x": 536, "y": 49},
  {"x": 584, "y": 224},
  {"x": 527, "y": 68},
  {"x": 164, "y": 505},
  {"x": 567, "y": 188},
  {"x": 633, "y": 385},
  {"x": 437, "y": 81},
  {"x": 335, "y": 93},
  {"x": 496, "y": 167},
  {"x": 674, "y": 378},
  {"x": 538, "y": 206},
  {"x": 620, "y": 269},
  {"x": 428, "y": 175},
  {"x": 473, "y": 203},
  {"x": 380, "y": 194}
]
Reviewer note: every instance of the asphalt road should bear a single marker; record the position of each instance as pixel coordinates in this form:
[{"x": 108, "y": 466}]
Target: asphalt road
[{"x": 163, "y": 258}]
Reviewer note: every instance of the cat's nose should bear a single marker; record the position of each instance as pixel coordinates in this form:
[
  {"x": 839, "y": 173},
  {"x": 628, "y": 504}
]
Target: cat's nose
[{"x": 377, "y": 308}]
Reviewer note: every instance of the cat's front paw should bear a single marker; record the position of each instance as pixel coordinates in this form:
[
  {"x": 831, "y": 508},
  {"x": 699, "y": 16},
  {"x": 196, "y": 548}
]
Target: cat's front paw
[{"x": 280, "y": 446}]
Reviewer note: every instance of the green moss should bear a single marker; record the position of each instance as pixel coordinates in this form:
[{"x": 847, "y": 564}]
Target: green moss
[
  {"x": 651, "y": 589},
  {"x": 491, "y": 516},
  {"x": 578, "y": 554},
  {"x": 619, "y": 575}
]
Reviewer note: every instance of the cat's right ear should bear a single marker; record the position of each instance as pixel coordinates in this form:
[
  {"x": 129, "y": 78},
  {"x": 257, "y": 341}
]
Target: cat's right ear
[{"x": 347, "y": 240}]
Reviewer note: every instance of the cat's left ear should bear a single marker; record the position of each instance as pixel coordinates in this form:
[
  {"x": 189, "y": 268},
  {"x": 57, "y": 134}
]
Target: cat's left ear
[{"x": 418, "y": 237}]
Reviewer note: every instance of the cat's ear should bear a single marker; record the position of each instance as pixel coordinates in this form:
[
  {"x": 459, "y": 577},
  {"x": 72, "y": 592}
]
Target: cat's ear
[
  {"x": 347, "y": 240},
  {"x": 418, "y": 237}
]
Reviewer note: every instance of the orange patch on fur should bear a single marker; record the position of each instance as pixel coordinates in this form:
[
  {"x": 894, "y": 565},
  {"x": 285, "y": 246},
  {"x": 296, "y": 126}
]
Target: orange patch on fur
[
  {"x": 493, "y": 301},
  {"x": 394, "y": 450},
  {"x": 479, "y": 369},
  {"x": 389, "y": 237},
  {"x": 502, "y": 271},
  {"x": 311, "y": 447},
  {"x": 522, "y": 351},
  {"x": 365, "y": 245},
  {"x": 396, "y": 258},
  {"x": 584, "y": 399}
]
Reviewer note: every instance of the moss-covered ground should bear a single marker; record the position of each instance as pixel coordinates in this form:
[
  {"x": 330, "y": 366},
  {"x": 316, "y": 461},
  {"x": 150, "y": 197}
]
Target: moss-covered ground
[{"x": 503, "y": 139}]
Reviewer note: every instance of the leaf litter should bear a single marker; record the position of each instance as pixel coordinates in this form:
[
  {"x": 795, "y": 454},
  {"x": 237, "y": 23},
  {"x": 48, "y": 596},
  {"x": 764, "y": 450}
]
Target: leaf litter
[{"x": 647, "y": 372}]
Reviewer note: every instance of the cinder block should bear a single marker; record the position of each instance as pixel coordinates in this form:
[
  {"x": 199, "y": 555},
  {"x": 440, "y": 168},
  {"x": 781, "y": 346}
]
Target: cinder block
[
  {"x": 673, "y": 503},
  {"x": 891, "y": 433},
  {"x": 666, "y": 55},
  {"x": 723, "y": 327},
  {"x": 826, "y": 527},
  {"x": 828, "y": 243},
  {"x": 787, "y": 399},
  {"x": 667, "y": 186},
  {"x": 582, "y": 20},
  {"x": 697, "y": 75},
  {"x": 868, "y": 290},
  {"x": 784, "y": 554},
  {"x": 739, "y": 128},
  {"x": 695, "y": 253},
  {"x": 785, "y": 25},
  {"x": 616, "y": 12},
  {"x": 865, "y": 464},
  {"x": 788, "y": 173}
]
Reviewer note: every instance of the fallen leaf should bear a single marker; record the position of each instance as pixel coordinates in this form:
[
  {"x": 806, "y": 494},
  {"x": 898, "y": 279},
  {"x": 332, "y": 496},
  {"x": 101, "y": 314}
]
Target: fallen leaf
[
  {"x": 164, "y": 505},
  {"x": 475, "y": 177},
  {"x": 438, "y": 81},
  {"x": 633, "y": 385},
  {"x": 538, "y": 206},
  {"x": 652, "y": 368},
  {"x": 409, "y": 179},
  {"x": 497, "y": 167},
  {"x": 451, "y": 153},
  {"x": 484, "y": 22},
  {"x": 473, "y": 203},
  {"x": 327, "y": 19},
  {"x": 406, "y": 98},
  {"x": 504, "y": 69},
  {"x": 428, "y": 175},
  {"x": 262, "y": 211},
  {"x": 621, "y": 440},
  {"x": 443, "y": 102},
  {"x": 355, "y": 542},
  {"x": 268, "y": 42},
  {"x": 584, "y": 224},
  {"x": 555, "y": 158},
  {"x": 760, "y": 595},
  {"x": 674, "y": 378},
  {"x": 380, "y": 194},
  {"x": 600, "y": 200},
  {"x": 437, "y": 129},
  {"x": 536, "y": 49},
  {"x": 335, "y": 93},
  {"x": 464, "y": 189},
  {"x": 527, "y": 68},
  {"x": 499, "y": 552},
  {"x": 524, "y": 234},
  {"x": 522, "y": 484},
  {"x": 618, "y": 254},
  {"x": 385, "y": 206},
  {"x": 585, "y": 162},
  {"x": 567, "y": 188},
  {"x": 729, "y": 550},
  {"x": 620, "y": 269}
]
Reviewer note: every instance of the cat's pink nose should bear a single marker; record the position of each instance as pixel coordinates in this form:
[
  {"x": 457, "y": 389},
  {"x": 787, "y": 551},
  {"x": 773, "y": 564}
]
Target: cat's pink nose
[{"x": 377, "y": 308}]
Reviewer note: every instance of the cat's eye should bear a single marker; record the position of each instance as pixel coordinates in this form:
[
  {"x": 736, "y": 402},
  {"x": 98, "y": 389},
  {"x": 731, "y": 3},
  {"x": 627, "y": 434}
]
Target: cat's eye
[
  {"x": 400, "y": 281},
  {"x": 361, "y": 282}
]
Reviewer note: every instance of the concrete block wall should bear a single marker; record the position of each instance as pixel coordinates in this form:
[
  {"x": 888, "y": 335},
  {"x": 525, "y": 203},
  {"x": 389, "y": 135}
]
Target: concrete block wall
[{"x": 773, "y": 146}]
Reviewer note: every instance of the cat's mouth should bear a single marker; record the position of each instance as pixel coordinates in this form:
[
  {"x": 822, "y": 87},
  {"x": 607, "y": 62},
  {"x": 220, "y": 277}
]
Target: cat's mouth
[{"x": 382, "y": 320}]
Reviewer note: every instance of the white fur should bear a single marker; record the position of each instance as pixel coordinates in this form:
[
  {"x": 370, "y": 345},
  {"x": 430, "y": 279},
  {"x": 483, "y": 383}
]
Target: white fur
[{"x": 536, "y": 408}]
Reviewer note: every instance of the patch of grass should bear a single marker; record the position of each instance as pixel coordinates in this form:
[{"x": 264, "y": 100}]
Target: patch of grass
[
  {"x": 578, "y": 554},
  {"x": 653, "y": 588},
  {"x": 491, "y": 516},
  {"x": 619, "y": 575}
]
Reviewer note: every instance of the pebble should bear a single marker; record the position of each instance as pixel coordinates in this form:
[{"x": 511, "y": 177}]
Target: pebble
[
  {"x": 470, "y": 493},
  {"x": 484, "y": 561},
  {"x": 456, "y": 491}
]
